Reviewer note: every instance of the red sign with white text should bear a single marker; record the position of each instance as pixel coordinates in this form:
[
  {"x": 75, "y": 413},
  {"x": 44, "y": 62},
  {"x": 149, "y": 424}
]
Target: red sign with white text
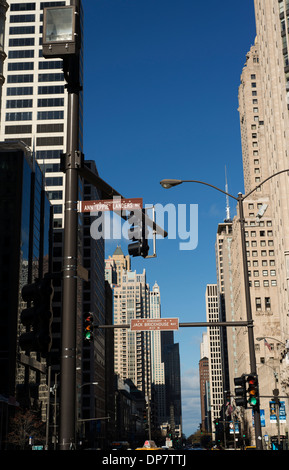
[
  {"x": 116, "y": 204},
  {"x": 154, "y": 324}
]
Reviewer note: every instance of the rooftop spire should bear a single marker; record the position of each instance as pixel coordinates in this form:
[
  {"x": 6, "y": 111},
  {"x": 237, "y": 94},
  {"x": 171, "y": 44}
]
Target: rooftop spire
[{"x": 228, "y": 215}]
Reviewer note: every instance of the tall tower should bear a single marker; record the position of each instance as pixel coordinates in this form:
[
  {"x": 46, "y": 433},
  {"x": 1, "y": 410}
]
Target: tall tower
[
  {"x": 157, "y": 362},
  {"x": 215, "y": 360},
  {"x": 116, "y": 264},
  {"x": 264, "y": 122},
  {"x": 272, "y": 23},
  {"x": 34, "y": 100},
  {"x": 204, "y": 377},
  {"x": 34, "y": 110},
  {"x": 132, "y": 348}
]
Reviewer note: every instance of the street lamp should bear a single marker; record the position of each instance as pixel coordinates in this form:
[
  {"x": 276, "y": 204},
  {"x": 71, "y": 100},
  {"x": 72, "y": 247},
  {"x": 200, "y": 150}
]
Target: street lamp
[
  {"x": 88, "y": 383},
  {"x": 169, "y": 183},
  {"x": 60, "y": 31},
  {"x": 270, "y": 337},
  {"x": 61, "y": 38}
]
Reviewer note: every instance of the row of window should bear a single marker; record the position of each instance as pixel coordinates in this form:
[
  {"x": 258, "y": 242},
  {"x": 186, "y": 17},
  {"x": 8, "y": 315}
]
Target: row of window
[
  {"x": 41, "y": 103},
  {"x": 42, "y": 90},
  {"x": 32, "y": 6},
  {"x": 41, "y": 115},
  {"x": 25, "y": 129},
  {"x": 263, "y": 253},
  {"x": 267, "y": 303},
  {"x": 42, "y": 77},
  {"x": 40, "y": 141},
  {"x": 265, "y": 272},
  {"x": 49, "y": 64},
  {"x": 266, "y": 283},
  {"x": 262, "y": 243}
]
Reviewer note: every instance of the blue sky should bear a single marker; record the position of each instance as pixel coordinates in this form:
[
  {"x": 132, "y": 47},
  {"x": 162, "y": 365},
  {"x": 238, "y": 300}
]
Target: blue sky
[{"x": 161, "y": 101}]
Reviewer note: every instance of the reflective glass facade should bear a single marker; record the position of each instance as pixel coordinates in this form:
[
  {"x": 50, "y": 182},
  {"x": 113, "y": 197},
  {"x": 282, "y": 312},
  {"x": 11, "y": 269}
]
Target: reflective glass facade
[{"x": 24, "y": 248}]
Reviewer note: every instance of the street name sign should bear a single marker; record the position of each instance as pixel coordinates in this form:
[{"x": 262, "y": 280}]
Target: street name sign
[
  {"x": 154, "y": 324},
  {"x": 116, "y": 204}
]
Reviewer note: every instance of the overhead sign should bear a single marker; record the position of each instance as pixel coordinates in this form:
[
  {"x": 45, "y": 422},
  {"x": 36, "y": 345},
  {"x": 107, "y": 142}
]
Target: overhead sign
[
  {"x": 116, "y": 204},
  {"x": 154, "y": 324}
]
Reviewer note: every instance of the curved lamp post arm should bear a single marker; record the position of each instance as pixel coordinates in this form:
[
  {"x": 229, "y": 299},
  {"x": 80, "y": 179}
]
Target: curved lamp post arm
[
  {"x": 212, "y": 186},
  {"x": 169, "y": 183},
  {"x": 262, "y": 182}
]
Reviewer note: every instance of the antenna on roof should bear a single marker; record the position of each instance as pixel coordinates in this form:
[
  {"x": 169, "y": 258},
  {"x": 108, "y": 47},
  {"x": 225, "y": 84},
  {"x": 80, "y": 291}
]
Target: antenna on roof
[{"x": 228, "y": 215}]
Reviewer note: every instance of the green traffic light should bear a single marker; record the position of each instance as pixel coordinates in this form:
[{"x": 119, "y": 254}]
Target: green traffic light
[{"x": 253, "y": 401}]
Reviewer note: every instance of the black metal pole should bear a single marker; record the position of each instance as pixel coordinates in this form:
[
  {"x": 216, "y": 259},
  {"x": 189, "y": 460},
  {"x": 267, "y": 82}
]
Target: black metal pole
[
  {"x": 67, "y": 431},
  {"x": 252, "y": 355}
]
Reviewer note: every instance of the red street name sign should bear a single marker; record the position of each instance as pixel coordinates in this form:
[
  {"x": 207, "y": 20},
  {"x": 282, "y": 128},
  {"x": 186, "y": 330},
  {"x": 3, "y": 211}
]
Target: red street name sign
[
  {"x": 116, "y": 204},
  {"x": 154, "y": 324}
]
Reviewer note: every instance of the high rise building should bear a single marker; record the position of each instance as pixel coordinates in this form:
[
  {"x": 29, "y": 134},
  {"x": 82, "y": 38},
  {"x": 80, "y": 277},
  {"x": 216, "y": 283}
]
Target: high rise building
[
  {"x": 25, "y": 252},
  {"x": 272, "y": 24},
  {"x": 115, "y": 265},
  {"x": 263, "y": 245},
  {"x": 34, "y": 100},
  {"x": 171, "y": 359},
  {"x": 132, "y": 352},
  {"x": 215, "y": 358},
  {"x": 157, "y": 361},
  {"x": 204, "y": 377},
  {"x": 224, "y": 280},
  {"x": 34, "y": 110}
]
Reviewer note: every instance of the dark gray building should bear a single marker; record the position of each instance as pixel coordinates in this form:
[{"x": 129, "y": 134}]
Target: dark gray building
[
  {"x": 171, "y": 359},
  {"x": 25, "y": 254}
]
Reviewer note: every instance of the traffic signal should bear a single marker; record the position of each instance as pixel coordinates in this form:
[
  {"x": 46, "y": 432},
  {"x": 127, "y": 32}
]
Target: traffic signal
[
  {"x": 240, "y": 391},
  {"x": 138, "y": 233},
  {"x": 276, "y": 396},
  {"x": 37, "y": 317},
  {"x": 88, "y": 327},
  {"x": 253, "y": 398}
]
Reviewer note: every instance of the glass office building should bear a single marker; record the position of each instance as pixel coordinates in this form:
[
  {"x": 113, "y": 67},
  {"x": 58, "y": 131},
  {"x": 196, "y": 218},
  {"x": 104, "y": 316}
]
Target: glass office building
[{"x": 25, "y": 253}]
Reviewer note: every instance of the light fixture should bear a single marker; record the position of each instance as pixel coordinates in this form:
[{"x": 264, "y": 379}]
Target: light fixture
[
  {"x": 170, "y": 183},
  {"x": 60, "y": 31}
]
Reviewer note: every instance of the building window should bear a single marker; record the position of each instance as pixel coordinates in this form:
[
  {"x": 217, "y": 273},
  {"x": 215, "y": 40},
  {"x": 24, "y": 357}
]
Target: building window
[
  {"x": 18, "y": 42},
  {"x": 16, "y": 66},
  {"x": 10, "y": 104},
  {"x": 19, "y": 91},
  {"x": 258, "y": 303},
  {"x": 267, "y": 303},
  {"x": 20, "y": 78},
  {"x": 50, "y": 90},
  {"x": 42, "y": 115},
  {"x": 50, "y": 77},
  {"x": 53, "y": 181},
  {"x": 22, "y": 18},
  {"x": 22, "y": 30},
  {"x": 21, "y": 54},
  {"x": 22, "y": 6},
  {"x": 21, "y": 116}
]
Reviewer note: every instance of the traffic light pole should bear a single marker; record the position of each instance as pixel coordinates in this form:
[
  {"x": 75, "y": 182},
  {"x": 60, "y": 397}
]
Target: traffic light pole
[
  {"x": 69, "y": 306},
  {"x": 252, "y": 355}
]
